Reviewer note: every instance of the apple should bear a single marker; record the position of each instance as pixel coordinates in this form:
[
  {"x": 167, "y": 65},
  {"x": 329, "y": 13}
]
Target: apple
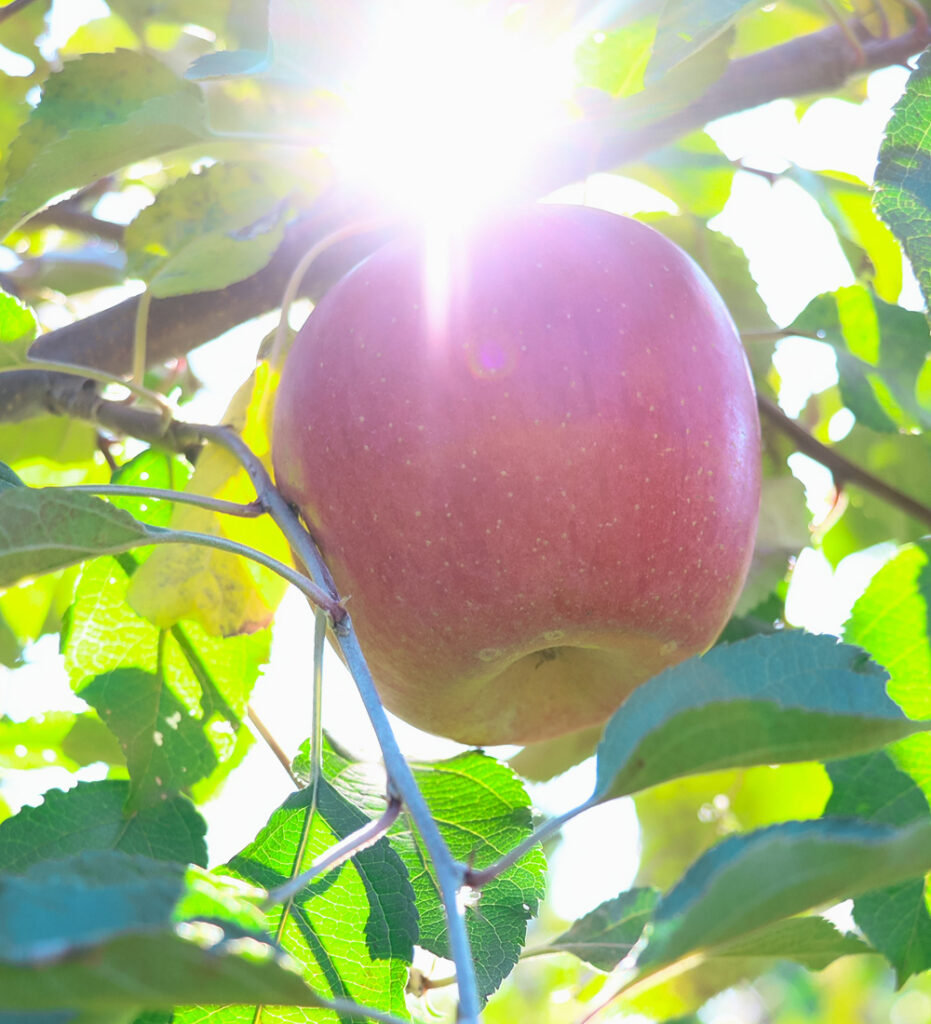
[{"x": 530, "y": 456}]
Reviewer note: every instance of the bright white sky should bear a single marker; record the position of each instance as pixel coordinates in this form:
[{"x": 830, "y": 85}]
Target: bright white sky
[{"x": 793, "y": 256}]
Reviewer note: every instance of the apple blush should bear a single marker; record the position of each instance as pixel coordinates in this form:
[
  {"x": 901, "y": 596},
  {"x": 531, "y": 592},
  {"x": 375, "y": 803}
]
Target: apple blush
[{"x": 530, "y": 457}]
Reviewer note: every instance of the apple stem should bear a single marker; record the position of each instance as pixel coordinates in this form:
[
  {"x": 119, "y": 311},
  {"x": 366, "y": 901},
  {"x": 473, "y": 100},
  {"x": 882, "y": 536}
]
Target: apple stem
[{"x": 450, "y": 873}]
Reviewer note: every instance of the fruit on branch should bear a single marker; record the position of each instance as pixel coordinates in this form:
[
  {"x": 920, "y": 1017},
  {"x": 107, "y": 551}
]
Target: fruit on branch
[{"x": 530, "y": 457}]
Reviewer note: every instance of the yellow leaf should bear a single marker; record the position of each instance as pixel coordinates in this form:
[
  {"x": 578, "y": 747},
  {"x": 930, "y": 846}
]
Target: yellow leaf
[{"x": 226, "y": 594}]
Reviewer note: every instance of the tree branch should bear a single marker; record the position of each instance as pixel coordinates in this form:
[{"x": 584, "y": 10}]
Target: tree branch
[
  {"x": 12, "y": 8},
  {"x": 842, "y": 469},
  {"x": 821, "y": 61}
]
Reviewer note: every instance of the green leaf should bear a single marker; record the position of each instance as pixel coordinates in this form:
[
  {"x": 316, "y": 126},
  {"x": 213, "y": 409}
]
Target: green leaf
[
  {"x": 881, "y": 349},
  {"x": 176, "y": 699},
  {"x": 105, "y": 930},
  {"x": 56, "y": 738},
  {"x": 750, "y": 881},
  {"x": 8, "y": 478},
  {"x": 208, "y": 230},
  {"x": 228, "y": 64},
  {"x": 482, "y": 811},
  {"x": 767, "y": 700},
  {"x": 686, "y": 26},
  {"x": 605, "y": 935},
  {"x": 99, "y": 113},
  {"x": 890, "y": 621},
  {"x": 43, "y": 529},
  {"x": 693, "y": 173},
  {"x": 870, "y": 247},
  {"x": 615, "y": 62},
  {"x": 903, "y": 175},
  {"x": 895, "y": 919},
  {"x": 353, "y": 928},
  {"x": 17, "y": 322},
  {"x": 92, "y": 817}
]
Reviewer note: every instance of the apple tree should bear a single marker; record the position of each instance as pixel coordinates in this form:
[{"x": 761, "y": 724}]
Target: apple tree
[{"x": 175, "y": 176}]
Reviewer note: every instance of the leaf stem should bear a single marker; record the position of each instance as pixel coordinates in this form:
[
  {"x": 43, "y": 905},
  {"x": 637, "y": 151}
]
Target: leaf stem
[
  {"x": 477, "y": 878},
  {"x": 354, "y": 843},
  {"x": 450, "y": 872},
  {"x": 230, "y": 508}
]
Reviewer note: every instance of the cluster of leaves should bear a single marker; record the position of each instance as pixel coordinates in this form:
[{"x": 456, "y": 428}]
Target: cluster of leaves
[{"x": 107, "y": 911}]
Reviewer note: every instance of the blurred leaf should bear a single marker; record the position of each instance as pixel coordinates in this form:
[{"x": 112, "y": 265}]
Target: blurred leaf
[
  {"x": 548, "y": 758},
  {"x": 104, "y": 930},
  {"x": 56, "y": 738},
  {"x": 482, "y": 812},
  {"x": 353, "y": 928},
  {"x": 71, "y": 271},
  {"x": 175, "y": 699},
  {"x": 896, "y": 919},
  {"x": 693, "y": 173},
  {"x": 209, "y": 230},
  {"x": 686, "y": 26},
  {"x": 748, "y": 882},
  {"x": 99, "y": 113},
  {"x": 224, "y": 593},
  {"x": 903, "y": 176},
  {"x": 681, "y": 819},
  {"x": 605, "y": 935},
  {"x": 880, "y": 349},
  {"x": 20, "y": 33},
  {"x": 615, "y": 62},
  {"x": 902, "y": 460},
  {"x": 92, "y": 817},
  {"x": 781, "y": 533},
  {"x": 228, "y": 64},
  {"x": 809, "y": 941},
  {"x": 768, "y": 616},
  {"x": 870, "y": 247},
  {"x": 17, "y": 322},
  {"x": 210, "y": 14},
  {"x": 769, "y": 699}
]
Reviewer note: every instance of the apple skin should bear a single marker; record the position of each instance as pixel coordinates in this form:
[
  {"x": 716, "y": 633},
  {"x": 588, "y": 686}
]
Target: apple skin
[{"x": 531, "y": 460}]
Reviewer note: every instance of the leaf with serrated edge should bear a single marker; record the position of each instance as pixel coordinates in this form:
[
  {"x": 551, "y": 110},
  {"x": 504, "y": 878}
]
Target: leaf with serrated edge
[
  {"x": 903, "y": 174},
  {"x": 605, "y": 935},
  {"x": 92, "y": 816},
  {"x": 99, "y": 113},
  {"x": 352, "y": 929},
  {"x": 748, "y": 882},
  {"x": 482, "y": 811},
  {"x": 766, "y": 700},
  {"x": 42, "y": 529}
]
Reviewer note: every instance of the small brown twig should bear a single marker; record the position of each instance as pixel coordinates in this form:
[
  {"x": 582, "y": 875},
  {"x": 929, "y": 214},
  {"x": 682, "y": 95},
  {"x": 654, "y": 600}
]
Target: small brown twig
[{"x": 842, "y": 469}]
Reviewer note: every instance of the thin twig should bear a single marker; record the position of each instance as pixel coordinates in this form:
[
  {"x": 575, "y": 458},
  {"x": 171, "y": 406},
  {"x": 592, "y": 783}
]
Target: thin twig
[
  {"x": 63, "y": 215},
  {"x": 273, "y": 745},
  {"x": 364, "y": 837},
  {"x": 477, "y": 878},
  {"x": 229, "y": 508},
  {"x": 842, "y": 469}
]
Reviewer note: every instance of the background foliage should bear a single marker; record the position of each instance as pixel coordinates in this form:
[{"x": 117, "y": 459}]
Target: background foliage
[{"x": 187, "y": 150}]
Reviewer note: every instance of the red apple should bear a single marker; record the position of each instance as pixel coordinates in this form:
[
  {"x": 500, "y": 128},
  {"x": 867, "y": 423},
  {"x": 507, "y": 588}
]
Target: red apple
[{"x": 530, "y": 457}]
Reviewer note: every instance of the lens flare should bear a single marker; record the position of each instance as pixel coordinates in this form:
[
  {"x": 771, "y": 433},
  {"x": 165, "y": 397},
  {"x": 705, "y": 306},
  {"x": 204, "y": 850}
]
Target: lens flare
[{"x": 446, "y": 116}]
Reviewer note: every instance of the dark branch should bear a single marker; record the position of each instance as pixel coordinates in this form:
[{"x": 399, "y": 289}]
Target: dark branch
[
  {"x": 842, "y": 469},
  {"x": 65, "y": 216},
  {"x": 11, "y": 9}
]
